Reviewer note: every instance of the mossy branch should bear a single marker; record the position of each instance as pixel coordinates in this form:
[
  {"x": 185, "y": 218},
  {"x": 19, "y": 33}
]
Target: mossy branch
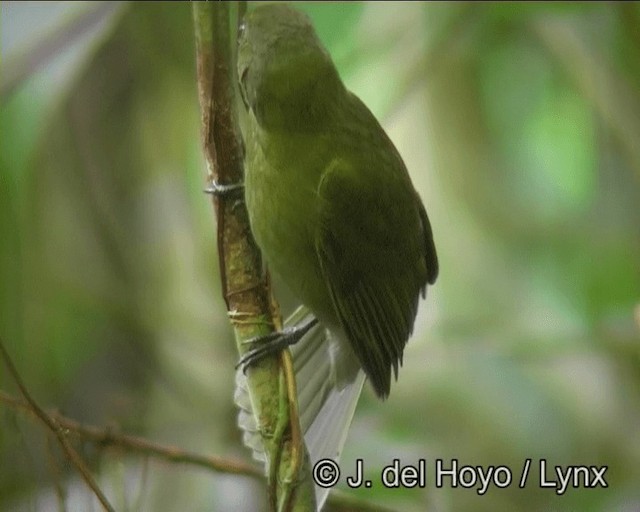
[{"x": 245, "y": 289}]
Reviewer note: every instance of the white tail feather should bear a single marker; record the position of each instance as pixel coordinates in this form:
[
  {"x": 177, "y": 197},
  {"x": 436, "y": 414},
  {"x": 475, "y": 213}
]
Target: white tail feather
[{"x": 329, "y": 383}]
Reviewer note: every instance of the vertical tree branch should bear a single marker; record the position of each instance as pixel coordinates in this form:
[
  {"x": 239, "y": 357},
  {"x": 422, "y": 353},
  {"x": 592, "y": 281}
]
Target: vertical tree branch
[{"x": 246, "y": 292}]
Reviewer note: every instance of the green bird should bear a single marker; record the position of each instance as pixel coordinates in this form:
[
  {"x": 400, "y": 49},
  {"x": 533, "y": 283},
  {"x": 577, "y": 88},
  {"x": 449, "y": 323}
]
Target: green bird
[
  {"x": 330, "y": 201},
  {"x": 333, "y": 209}
]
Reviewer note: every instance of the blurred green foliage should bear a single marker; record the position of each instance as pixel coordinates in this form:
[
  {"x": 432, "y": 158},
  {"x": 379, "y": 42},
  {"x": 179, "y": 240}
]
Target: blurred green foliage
[{"x": 520, "y": 126}]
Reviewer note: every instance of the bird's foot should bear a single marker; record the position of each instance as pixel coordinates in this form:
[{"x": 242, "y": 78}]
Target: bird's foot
[
  {"x": 223, "y": 190},
  {"x": 274, "y": 342}
]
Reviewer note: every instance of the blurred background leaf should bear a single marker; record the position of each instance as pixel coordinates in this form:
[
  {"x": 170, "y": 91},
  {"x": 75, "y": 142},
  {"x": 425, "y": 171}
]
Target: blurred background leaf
[{"x": 519, "y": 125}]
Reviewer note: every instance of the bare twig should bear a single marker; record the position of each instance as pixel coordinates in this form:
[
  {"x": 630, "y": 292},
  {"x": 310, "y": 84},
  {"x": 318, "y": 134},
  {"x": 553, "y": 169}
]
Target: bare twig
[
  {"x": 57, "y": 429},
  {"x": 108, "y": 437},
  {"x": 55, "y": 470},
  {"x": 105, "y": 437}
]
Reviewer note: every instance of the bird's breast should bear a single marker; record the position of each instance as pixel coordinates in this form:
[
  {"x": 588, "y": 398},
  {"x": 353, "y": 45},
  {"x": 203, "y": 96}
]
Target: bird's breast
[{"x": 282, "y": 202}]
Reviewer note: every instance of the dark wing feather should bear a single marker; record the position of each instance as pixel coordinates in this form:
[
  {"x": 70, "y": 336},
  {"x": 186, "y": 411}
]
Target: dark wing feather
[{"x": 373, "y": 256}]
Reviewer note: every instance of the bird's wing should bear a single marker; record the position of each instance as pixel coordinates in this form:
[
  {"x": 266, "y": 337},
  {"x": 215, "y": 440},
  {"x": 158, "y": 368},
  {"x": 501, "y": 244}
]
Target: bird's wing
[{"x": 372, "y": 247}]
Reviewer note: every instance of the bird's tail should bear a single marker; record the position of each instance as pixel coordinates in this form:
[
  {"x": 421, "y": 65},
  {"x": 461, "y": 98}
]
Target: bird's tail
[{"x": 327, "y": 395}]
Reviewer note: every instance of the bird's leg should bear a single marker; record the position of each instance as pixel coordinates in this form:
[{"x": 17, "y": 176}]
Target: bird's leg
[{"x": 274, "y": 342}]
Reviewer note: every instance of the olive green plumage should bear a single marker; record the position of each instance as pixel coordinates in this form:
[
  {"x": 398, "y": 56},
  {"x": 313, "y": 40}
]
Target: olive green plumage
[{"x": 330, "y": 200}]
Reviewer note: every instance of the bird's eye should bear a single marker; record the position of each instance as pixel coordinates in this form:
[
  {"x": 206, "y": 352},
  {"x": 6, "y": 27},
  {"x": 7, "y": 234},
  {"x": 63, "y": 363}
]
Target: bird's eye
[{"x": 241, "y": 28}]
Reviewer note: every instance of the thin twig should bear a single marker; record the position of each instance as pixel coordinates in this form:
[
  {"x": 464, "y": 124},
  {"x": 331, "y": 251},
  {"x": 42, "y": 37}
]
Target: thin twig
[
  {"x": 57, "y": 429},
  {"x": 56, "y": 473},
  {"x": 107, "y": 437}
]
